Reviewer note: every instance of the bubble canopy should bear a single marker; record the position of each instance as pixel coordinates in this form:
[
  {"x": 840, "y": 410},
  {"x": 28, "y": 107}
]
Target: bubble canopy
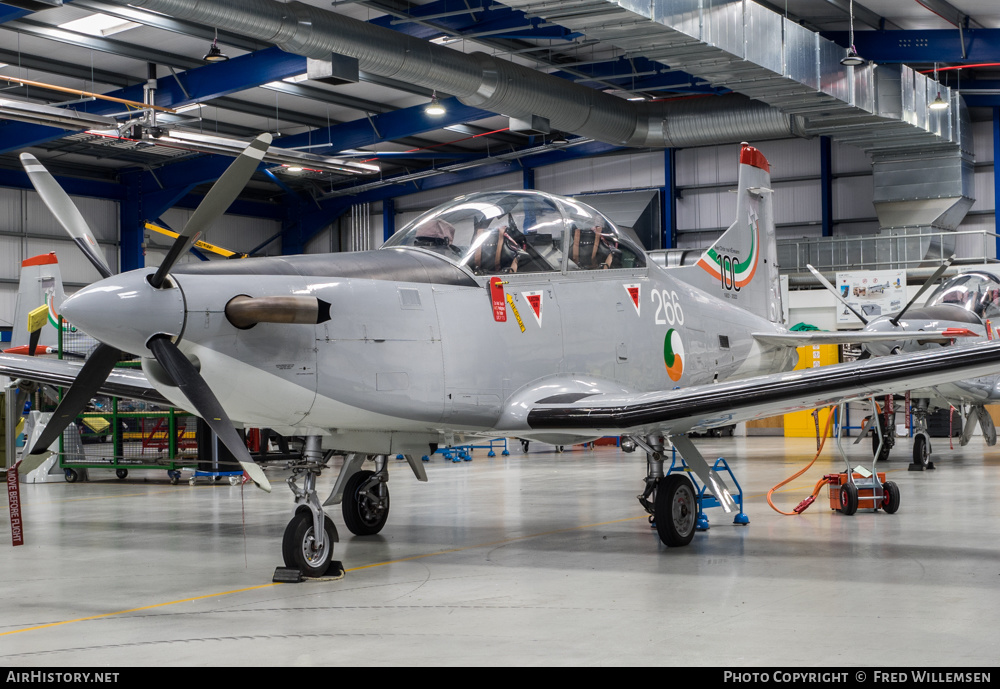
[
  {"x": 976, "y": 291},
  {"x": 520, "y": 232}
]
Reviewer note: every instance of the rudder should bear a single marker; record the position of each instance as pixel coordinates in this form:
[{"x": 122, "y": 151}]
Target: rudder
[{"x": 742, "y": 265}]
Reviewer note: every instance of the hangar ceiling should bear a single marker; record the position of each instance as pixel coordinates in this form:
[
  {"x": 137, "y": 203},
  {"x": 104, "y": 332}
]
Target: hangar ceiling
[{"x": 371, "y": 136}]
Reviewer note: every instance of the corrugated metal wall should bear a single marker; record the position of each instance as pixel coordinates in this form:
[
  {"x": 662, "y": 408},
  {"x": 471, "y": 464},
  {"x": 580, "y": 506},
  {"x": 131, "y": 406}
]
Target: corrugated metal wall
[
  {"x": 706, "y": 206},
  {"x": 27, "y": 229}
]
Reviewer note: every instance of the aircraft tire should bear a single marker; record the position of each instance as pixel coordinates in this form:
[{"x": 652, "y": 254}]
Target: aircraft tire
[
  {"x": 676, "y": 510},
  {"x": 886, "y": 447},
  {"x": 361, "y": 516},
  {"x": 848, "y": 499},
  {"x": 296, "y": 545},
  {"x": 921, "y": 452},
  {"x": 890, "y": 499}
]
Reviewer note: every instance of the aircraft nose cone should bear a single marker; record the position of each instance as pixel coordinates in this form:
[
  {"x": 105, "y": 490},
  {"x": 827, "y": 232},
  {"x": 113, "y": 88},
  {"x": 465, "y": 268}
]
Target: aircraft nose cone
[{"x": 124, "y": 311}]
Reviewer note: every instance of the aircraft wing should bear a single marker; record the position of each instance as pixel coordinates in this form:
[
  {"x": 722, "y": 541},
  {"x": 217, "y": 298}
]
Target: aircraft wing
[
  {"x": 817, "y": 337},
  {"x": 707, "y": 406},
  {"x": 131, "y": 383}
]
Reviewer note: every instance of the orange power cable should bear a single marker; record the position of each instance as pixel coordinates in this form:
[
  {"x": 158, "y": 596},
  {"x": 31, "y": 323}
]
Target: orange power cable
[{"x": 800, "y": 508}]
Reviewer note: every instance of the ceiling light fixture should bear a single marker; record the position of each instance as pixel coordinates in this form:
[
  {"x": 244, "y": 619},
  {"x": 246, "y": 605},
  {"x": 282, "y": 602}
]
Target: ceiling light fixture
[
  {"x": 938, "y": 103},
  {"x": 852, "y": 59},
  {"x": 214, "y": 54},
  {"x": 434, "y": 108}
]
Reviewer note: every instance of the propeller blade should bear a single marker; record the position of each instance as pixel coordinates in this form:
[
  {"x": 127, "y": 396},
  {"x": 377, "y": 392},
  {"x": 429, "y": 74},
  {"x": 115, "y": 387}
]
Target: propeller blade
[
  {"x": 205, "y": 403},
  {"x": 93, "y": 374},
  {"x": 65, "y": 211},
  {"x": 926, "y": 286},
  {"x": 833, "y": 290},
  {"x": 215, "y": 203}
]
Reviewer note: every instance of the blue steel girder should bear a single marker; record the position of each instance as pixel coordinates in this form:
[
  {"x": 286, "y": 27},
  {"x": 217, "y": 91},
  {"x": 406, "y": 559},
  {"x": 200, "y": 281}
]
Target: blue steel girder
[
  {"x": 978, "y": 93},
  {"x": 925, "y": 46},
  {"x": 456, "y": 18},
  {"x": 9, "y": 14},
  {"x": 74, "y": 186},
  {"x": 640, "y": 74},
  {"x": 201, "y": 84},
  {"x": 386, "y": 126}
]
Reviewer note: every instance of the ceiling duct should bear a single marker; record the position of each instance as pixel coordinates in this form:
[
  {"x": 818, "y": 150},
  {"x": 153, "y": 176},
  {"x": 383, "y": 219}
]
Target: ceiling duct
[
  {"x": 478, "y": 79},
  {"x": 922, "y": 158},
  {"x": 798, "y": 84}
]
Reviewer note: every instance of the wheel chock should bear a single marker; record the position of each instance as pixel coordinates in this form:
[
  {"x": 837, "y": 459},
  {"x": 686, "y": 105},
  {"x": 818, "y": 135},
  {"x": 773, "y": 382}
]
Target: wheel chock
[
  {"x": 287, "y": 575},
  {"x": 292, "y": 575}
]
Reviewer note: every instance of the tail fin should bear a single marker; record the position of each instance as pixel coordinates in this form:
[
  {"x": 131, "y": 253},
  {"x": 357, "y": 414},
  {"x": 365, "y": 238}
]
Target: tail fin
[
  {"x": 41, "y": 283},
  {"x": 742, "y": 265}
]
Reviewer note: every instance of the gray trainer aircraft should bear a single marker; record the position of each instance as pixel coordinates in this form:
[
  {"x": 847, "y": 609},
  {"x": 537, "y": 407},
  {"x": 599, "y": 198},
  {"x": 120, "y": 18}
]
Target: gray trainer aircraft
[
  {"x": 517, "y": 314},
  {"x": 968, "y": 303}
]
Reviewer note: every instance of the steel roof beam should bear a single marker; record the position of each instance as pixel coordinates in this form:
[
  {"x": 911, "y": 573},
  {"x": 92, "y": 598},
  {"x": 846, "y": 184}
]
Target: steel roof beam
[
  {"x": 201, "y": 83},
  {"x": 863, "y": 14},
  {"x": 388, "y": 126},
  {"x": 925, "y": 46},
  {"x": 950, "y": 13}
]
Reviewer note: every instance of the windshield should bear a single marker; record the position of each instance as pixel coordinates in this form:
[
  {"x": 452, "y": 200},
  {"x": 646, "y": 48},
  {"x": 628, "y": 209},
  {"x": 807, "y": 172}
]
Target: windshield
[
  {"x": 977, "y": 292},
  {"x": 520, "y": 232}
]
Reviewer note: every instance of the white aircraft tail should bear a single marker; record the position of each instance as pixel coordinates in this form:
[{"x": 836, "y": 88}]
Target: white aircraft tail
[
  {"x": 742, "y": 264},
  {"x": 41, "y": 283}
]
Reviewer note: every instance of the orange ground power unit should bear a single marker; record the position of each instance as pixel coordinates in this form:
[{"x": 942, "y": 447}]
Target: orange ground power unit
[{"x": 866, "y": 498}]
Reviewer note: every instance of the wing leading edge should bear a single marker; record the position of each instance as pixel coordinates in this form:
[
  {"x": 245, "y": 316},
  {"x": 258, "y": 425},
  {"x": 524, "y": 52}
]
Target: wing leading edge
[
  {"x": 131, "y": 383},
  {"x": 816, "y": 337},
  {"x": 707, "y": 406}
]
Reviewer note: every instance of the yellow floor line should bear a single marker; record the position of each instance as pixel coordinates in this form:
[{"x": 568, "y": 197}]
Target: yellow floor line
[
  {"x": 353, "y": 569},
  {"x": 124, "y": 612},
  {"x": 491, "y": 544}
]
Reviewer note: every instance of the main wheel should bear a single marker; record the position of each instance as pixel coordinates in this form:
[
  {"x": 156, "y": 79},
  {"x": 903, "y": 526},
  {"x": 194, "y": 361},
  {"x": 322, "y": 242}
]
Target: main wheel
[
  {"x": 890, "y": 497},
  {"x": 298, "y": 545},
  {"x": 921, "y": 450},
  {"x": 365, "y": 512},
  {"x": 676, "y": 510},
  {"x": 886, "y": 446},
  {"x": 848, "y": 498}
]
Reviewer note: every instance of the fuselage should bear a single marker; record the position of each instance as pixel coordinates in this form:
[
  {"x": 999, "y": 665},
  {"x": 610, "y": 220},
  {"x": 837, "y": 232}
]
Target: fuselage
[{"x": 415, "y": 344}]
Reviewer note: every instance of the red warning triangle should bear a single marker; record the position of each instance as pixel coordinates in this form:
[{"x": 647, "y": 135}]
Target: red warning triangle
[
  {"x": 534, "y": 300},
  {"x": 633, "y": 292}
]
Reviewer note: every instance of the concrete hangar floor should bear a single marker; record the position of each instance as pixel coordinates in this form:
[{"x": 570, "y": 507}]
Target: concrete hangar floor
[{"x": 541, "y": 558}]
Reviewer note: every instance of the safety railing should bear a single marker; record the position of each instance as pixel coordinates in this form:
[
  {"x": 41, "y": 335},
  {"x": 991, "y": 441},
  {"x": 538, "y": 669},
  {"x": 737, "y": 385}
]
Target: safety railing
[{"x": 903, "y": 249}]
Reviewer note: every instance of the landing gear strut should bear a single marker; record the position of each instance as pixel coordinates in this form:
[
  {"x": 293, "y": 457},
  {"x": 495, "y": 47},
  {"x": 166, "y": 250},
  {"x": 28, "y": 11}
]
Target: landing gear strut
[
  {"x": 670, "y": 500},
  {"x": 921, "y": 438},
  {"x": 310, "y": 536}
]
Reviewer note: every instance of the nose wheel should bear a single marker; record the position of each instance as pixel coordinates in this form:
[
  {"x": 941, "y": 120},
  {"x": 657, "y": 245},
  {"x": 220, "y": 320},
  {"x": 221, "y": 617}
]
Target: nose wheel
[
  {"x": 309, "y": 538},
  {"x": 303, "y": 550}
]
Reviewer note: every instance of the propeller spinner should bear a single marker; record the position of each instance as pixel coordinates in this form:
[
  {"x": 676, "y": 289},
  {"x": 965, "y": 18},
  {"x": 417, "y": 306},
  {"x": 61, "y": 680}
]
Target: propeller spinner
[{"x": 142, "y": 311}]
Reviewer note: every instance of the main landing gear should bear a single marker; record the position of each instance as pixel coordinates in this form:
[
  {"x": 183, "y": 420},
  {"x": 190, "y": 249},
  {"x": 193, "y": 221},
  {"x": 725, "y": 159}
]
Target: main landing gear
[
  {"x": 670, "y": 500},
  {"x": 308, "y": 542}
]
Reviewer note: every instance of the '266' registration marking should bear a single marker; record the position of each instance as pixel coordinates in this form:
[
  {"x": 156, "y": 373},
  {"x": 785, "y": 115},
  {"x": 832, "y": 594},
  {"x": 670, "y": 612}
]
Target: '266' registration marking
[{"x": 668, "y": 307}]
